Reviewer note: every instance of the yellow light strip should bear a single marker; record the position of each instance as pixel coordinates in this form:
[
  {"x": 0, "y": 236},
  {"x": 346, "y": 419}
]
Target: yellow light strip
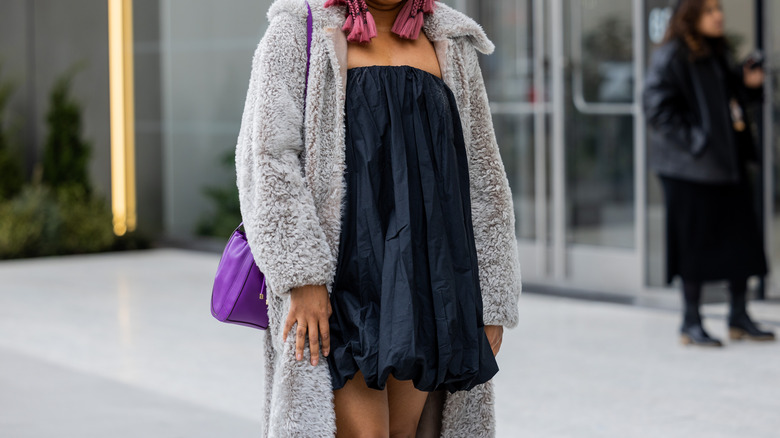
[{"x": 120, "y": 31}]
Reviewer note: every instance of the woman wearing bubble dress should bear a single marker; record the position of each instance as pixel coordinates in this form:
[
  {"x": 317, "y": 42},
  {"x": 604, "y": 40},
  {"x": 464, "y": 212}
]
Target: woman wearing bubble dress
[{"x": 376, "y": 203}]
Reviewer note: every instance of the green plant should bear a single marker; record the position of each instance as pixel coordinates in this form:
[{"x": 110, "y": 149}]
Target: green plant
[
  {"x": 43, "y": 221},
  {"x": 57, "y": 213},
  {"x": 85, "y": 222},
  {"x": 227, "y": 213},
  {"x": 66, "y": 154},
  {"x": 29, "y": 224},
  {"x": 11, "y": 173}
]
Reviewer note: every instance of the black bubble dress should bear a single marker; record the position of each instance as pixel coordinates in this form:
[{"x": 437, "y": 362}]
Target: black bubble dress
[{"x": 406, "y": 297}]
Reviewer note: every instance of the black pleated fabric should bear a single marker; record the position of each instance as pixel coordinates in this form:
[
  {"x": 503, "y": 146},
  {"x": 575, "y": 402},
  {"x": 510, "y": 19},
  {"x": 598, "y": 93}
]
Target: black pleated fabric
[
  {"x": 712, "y": 231},
  {"x": 406, "y": 297}
]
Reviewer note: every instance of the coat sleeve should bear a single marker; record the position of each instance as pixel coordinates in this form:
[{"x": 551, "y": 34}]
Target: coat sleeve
[
  {"x": 493, "y": 215},
  {"x": 280, "y": 218},
  {"x": 664, "y": 106}
]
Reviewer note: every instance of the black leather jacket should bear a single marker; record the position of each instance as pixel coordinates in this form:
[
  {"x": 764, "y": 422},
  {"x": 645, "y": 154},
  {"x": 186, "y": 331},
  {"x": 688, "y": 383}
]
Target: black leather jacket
[{"x": 686, "y": 107}]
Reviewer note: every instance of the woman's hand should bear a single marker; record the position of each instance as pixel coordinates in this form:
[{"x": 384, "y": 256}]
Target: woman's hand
[
  {"x": 310, "y": 308},
  {"x": 495, "y": 333},
  {"x": 754, "y": 77}
]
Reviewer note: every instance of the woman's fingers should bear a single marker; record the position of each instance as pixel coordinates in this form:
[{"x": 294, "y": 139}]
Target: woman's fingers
[
  {"x": 288, "y": 323},
  {"x": 314, "y": 342},
  {"x": 325, "y": 336},
  {"x": 300, "y": 340},
  {"x": 310, "y": 308}
]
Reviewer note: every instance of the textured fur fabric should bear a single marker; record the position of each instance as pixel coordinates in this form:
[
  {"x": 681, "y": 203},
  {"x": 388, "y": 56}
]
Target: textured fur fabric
[{"x": 290, "y": 176}]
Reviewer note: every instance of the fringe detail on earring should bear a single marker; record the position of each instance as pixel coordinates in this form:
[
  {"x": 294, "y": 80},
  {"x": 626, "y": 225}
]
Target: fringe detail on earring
[
  {"x": 356, "y": 24},
  {"x": 358, "y": 33},
  {"x": 361, "y": 26},
  {"x": 347, "y": 24},
  {"x": 370, "y": 25},
  {"x": 410, "y": 20}
]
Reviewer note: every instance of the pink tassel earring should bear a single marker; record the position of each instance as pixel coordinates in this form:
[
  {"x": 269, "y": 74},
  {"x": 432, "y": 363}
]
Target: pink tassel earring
[
  {"x": 359, "y": 24},
  {"x": 410, "y": 19},
  {"x": 361, "y": 27}
]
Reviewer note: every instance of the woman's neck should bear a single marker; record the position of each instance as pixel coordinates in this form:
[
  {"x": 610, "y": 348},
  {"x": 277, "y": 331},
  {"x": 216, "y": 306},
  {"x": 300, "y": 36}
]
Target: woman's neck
[{"x": 384, "y": 16}]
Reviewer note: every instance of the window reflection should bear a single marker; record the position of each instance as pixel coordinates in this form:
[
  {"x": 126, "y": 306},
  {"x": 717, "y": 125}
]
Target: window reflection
[{"x": 600, "y": 124}]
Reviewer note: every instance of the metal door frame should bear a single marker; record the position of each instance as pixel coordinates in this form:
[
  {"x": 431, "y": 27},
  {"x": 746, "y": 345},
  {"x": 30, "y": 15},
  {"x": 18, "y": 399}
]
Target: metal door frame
[{"x": 764, "y": 11}]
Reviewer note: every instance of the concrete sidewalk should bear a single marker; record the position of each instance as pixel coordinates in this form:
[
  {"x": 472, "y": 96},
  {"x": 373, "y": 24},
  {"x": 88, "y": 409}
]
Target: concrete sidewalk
[{"x": 123, "y": 345}]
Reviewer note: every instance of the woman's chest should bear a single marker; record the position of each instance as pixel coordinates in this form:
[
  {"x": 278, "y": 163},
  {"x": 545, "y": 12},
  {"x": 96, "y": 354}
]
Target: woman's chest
[{"x": 393, "y": 51}]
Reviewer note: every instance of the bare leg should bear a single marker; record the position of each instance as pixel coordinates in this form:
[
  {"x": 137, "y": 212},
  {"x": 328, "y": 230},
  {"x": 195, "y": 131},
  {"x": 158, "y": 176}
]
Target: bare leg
[
  {"x": 406, "y": 405},
  {"x": 361, "y": 411}
]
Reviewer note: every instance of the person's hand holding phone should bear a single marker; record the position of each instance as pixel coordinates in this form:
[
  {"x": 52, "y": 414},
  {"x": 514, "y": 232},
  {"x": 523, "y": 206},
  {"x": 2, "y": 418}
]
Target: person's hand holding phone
[{"x": 753, "y": 71}]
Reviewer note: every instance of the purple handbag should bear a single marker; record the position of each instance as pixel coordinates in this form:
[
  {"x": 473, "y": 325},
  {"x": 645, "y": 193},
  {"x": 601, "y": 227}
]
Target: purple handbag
[
  {"x": 239, "y": 292},
  {"x": 239, "y": 295}
]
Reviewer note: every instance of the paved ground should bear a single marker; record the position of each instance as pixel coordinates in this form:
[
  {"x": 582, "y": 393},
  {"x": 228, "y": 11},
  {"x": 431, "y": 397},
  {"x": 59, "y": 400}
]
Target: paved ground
[{"x": 123, "y": 345}]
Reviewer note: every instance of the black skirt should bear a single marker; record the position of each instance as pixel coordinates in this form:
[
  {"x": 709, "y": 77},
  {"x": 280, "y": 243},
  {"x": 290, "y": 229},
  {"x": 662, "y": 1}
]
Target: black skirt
[
  {"x": 712, "y": 231},
  {"x": 406, "y": 297}
]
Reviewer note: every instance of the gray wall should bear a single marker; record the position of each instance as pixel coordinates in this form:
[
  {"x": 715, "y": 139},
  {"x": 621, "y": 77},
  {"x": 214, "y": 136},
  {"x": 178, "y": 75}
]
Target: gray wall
[
  {"x": 14, "y": 63},
  {"x": 148, "y": 114},
  {"x": 207, "y": 49}
]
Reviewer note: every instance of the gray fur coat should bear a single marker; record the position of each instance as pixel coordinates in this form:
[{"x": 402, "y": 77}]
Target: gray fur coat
[{"x": 290, "y": 177}]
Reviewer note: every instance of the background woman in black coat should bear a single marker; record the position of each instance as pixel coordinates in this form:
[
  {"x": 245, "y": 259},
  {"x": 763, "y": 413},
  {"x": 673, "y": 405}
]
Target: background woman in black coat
[{"x": 700, "y": 142}]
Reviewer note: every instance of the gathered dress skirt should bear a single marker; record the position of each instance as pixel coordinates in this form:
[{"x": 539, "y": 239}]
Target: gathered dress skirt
[{"x": 406, "y": 297}]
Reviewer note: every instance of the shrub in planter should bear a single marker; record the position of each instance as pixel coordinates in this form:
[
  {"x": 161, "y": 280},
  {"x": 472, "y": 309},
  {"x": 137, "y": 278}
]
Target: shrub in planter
[
  {"x": 42, "y": 221},
  {"x": 29, "y": 224},
  {"x": 58, "y": 213},
  {"x": 85, "y": 222},
  {"x": 66, "y": 154}
]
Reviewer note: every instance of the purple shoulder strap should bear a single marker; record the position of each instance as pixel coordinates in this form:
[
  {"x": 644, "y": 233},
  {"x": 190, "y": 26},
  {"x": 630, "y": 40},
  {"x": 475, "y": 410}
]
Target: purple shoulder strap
[{"x": 309, "y": 28}]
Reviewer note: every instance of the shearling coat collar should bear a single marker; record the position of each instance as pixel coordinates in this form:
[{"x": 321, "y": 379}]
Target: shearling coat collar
[
  {"x": 444, "y": 23},
  {"x": 440, "y": 27}
]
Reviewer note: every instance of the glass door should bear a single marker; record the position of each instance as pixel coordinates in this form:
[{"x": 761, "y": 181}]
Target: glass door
[
  {"x": 595, "y": 149},
  {"x": 564, "y": 102},
  {"x": 517, "y": 78}
]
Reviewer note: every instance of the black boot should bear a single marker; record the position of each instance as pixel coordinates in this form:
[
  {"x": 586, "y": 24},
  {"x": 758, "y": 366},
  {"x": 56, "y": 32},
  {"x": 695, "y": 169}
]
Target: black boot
[
  {"x": 740, "y": 324},
  {"x": 692, "y": 331},
  {"x": 742, "y": 327}
]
